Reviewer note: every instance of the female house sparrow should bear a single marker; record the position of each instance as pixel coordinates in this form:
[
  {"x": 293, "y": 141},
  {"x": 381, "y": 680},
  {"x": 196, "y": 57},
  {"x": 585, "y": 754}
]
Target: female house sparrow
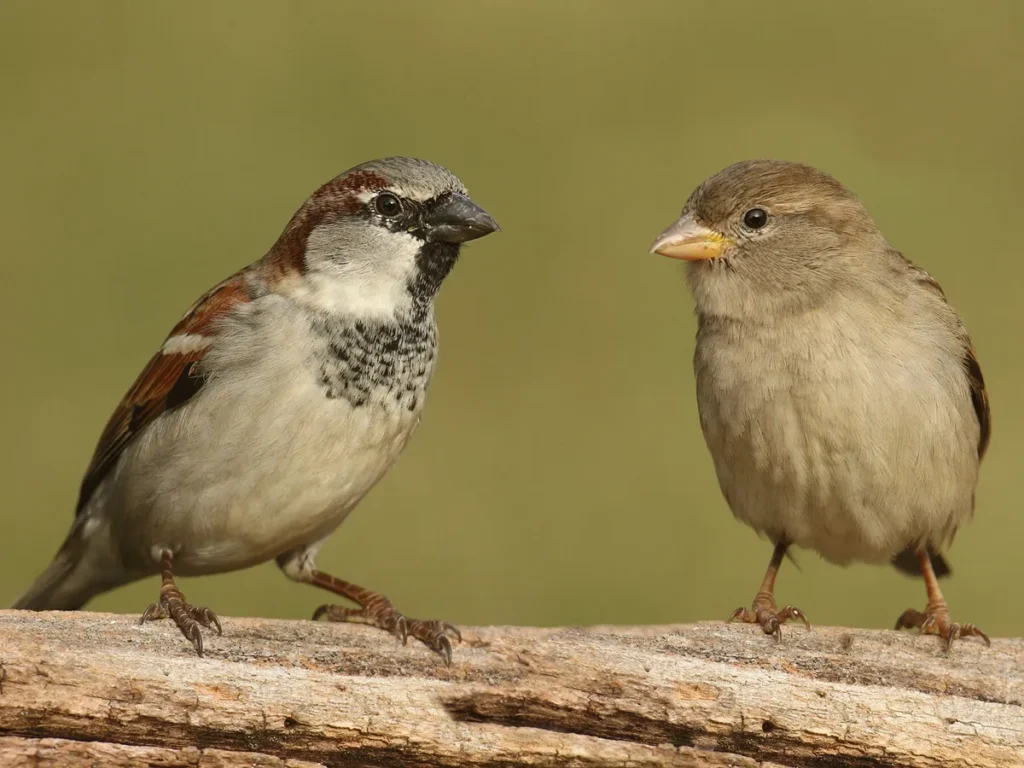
[
  {"x": 838, "y": 392},
  {"x": 275, "y": 404}
]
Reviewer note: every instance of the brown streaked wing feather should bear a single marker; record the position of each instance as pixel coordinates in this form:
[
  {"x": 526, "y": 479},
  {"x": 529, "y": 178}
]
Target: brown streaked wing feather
[
  {"x": 167, "y": 381},
  {"x": 979, "y": 396}
]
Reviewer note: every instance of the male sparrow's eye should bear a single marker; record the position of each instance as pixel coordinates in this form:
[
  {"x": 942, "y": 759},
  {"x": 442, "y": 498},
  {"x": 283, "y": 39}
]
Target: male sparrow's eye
[
  {"x": 387, "y": 205},
  {"x": 755, "y": 218}
]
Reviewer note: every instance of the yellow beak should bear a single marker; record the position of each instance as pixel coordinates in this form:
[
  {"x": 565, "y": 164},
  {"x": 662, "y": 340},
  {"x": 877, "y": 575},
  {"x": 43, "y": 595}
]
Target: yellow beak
[{"x": 689, "y": 240}]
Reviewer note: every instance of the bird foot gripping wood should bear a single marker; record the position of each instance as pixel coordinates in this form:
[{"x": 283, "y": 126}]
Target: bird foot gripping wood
[
  {"x": 935, "y": 621},
  {"x": 935, "y": 618},
  {"x": 763, "y": 610},
  {"x": 172, "y": 605},
  {"x": 770, "y": 618},
  {"x": 377, "y": 611}
]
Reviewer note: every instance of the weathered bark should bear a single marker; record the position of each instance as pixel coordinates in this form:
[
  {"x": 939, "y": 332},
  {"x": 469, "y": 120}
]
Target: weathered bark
[{"x": 83, "y": 689}]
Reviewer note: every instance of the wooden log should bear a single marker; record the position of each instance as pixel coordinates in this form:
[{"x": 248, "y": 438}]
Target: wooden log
[{"x": 85, "y": 689}]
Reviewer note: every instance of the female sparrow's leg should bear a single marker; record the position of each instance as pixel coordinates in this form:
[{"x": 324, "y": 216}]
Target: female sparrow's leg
[
  {"x": 172, "y": 605},
  {"x": 763, "y": 611},
  {"x": 374, "y": 609},
  {"x": 935, "y": 619}
]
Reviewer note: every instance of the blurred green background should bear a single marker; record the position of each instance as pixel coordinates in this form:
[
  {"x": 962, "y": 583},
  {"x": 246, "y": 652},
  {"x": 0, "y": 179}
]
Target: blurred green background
[{"x": 559, "y": 476}]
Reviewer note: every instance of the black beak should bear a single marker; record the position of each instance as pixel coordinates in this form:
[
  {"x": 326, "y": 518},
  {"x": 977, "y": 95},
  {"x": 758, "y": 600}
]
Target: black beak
[{"x": 456, "y": 219}]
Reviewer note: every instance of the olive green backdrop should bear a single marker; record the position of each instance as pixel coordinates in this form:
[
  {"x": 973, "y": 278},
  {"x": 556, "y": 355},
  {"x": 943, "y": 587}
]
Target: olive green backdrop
[{"x": 147, "y": 150}]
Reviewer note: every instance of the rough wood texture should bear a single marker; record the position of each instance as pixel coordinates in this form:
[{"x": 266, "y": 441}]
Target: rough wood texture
[{"x": 84, "y": 689}]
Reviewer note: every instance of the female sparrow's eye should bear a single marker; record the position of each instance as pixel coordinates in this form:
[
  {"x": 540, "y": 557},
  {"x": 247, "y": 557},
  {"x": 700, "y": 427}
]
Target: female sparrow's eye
[
  {"x": 755, "y": 218},
  {"x": 387, "y": 205}
]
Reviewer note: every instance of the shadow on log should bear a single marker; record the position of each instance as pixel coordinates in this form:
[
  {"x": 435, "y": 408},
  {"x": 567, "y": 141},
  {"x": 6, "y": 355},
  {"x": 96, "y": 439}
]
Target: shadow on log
[{"x": 85, "y": 689}]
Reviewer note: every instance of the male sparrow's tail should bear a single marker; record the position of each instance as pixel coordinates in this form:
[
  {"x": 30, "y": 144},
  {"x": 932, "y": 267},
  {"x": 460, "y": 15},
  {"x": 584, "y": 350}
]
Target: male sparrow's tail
[
  {"x": 71, "y": 580},
  {"x": 52, "y": 590}
]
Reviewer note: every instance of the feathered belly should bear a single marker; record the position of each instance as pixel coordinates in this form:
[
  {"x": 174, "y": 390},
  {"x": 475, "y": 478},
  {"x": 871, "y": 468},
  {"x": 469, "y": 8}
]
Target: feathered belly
[
  {"x": 856, "y": 464},
  {"x": 237, "y": 486}
]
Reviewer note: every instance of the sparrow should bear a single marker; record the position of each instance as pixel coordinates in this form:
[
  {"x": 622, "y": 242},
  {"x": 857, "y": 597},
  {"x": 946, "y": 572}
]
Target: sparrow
[
  {"x": 839, "y": 393},
  {"x": 277, "y": 401}
]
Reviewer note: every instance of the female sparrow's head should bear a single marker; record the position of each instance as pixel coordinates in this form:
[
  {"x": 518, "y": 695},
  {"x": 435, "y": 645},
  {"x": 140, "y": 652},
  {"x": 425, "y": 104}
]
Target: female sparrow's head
[{"x": 771, "y": 227}]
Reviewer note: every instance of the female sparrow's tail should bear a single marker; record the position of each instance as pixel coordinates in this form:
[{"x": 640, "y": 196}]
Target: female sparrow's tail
[{"x": 906, "y": 562}]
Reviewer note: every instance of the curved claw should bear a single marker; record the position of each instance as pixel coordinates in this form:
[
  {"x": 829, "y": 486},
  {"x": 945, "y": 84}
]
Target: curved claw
[
  {"x": 401, "y": 630},
  {"x": 792, "y": 612},
  {"x": 435, "y": 635},
  {"x": 195, "y": 636},
  {"x": 153, "y": 612},
  {"x": 928, "y": 626},
  {"x": 444, "y": 647},
  {"x": 453, "y": 630},
  {"x": 952, "y": 633},
  {"x": 206, "y": 617},
  {"x": 969, "y": 630}
]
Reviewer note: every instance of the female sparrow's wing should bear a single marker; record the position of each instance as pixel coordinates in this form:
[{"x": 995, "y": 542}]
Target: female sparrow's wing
[
  {"x": 169, "y": 380},
  {"x": 907, "y": 560},
  {"x": 979, "y": 398},
  {"x": 932, "y": 565}
]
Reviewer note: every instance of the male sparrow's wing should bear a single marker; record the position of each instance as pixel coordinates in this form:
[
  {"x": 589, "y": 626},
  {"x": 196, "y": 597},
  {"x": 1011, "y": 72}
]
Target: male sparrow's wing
[{"x": 168, "y": 380}]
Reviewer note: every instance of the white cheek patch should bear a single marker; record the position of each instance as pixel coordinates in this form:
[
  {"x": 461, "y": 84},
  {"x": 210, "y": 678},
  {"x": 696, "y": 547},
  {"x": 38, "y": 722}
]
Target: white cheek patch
[
  {"x": 185, "y": 343},
  {"x": 359, "y": 269}
]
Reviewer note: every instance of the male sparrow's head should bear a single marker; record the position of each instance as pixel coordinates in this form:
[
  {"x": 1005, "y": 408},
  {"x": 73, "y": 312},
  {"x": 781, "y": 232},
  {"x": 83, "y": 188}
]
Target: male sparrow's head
[
  {"x": 773, "y": 228},
  {"x": 379, "y": 236}
]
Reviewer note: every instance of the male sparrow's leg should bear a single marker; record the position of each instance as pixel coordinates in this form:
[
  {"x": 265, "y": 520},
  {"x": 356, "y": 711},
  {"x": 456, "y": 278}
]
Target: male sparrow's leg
[
  {"x": 172, "y": 605},
  {"x": 374, "y": 609},
  {"x": 763, "y": 611},
  {"x": 935, "y": 619}
]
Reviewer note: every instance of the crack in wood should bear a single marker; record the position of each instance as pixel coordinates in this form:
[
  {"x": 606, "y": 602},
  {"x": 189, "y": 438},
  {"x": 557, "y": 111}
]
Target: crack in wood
[{"x": 773, "y": 745}]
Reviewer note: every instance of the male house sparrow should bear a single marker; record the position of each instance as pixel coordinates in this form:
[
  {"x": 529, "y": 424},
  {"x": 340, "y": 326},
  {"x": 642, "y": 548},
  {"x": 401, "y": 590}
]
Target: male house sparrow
[
  {"x": 838, "y": 392},
  {"x": 275, "y": 404}
]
